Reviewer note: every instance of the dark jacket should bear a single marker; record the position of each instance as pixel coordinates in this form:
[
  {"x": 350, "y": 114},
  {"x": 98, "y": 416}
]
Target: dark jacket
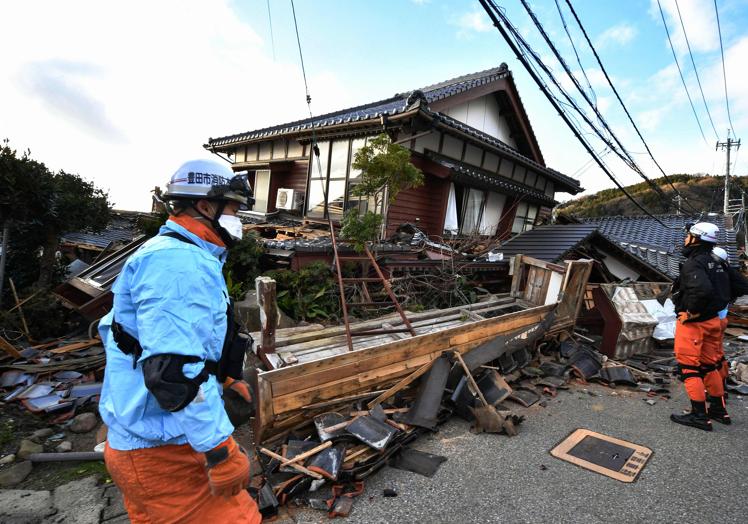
[
  {"x": 703, "y": 287},
  {"x": 738, "y": 283}
]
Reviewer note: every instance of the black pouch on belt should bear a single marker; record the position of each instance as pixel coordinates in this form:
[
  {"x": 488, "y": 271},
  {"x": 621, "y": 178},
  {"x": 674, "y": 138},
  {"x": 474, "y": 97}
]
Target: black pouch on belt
[{"x": 235, "y": 347}]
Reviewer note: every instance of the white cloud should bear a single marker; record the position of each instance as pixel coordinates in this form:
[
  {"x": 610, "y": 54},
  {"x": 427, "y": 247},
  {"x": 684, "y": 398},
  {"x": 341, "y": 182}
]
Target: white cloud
[
  {"x": 122, "y": 93},
  {"x": 420, "y": 2},
  {"x": 699, "y": 20},
  {"x": 620, "y": 34},
  {"x": 475, "y": 21}
]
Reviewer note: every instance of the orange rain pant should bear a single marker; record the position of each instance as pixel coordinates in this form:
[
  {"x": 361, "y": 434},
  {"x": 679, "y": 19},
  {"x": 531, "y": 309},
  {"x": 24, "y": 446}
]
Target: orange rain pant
[
  {"x": 169, "y": 484},
  {"x": 724, "y": 369},
  {"x": 700, "y": 344}
]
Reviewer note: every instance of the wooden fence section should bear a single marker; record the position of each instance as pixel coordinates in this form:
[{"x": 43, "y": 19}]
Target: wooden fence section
[{"x": 283, "y": 396}]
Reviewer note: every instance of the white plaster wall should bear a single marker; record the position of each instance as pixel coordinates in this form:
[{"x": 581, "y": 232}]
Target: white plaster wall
[
  {"x": 618, "y": 267},
  {"x": 483, "y": 114}
]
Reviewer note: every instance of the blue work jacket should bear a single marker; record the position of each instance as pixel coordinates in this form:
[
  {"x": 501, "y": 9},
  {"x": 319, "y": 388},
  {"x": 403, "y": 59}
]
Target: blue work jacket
[{"x": 172, "y": 297}]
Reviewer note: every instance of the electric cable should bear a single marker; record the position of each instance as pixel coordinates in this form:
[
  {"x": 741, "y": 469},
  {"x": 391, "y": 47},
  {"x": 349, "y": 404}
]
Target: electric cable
[
  {"x": 574, "y": 48},
  {"x": 272, "y": 38},
  {"x": 623, "y": 105},
  {"x": 724, "y": 74},
  {"x": 495, "y": 13},
  {"x": 315, "y": 148},
  {"x": 675, "y": 57},
  {"x": 696, "y": 72},
  {"x": 625, "y": 155}
]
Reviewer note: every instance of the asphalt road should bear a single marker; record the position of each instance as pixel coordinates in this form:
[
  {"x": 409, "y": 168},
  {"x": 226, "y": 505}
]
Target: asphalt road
[{"x": 693, "y": 476}]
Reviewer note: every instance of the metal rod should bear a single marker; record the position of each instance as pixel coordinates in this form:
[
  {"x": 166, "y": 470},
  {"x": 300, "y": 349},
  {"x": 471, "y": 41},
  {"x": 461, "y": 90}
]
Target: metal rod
[
  {"x": 340, "y": 285},
  {"x": 72, "y": 456},
  {"x": 388, "y": 288}
]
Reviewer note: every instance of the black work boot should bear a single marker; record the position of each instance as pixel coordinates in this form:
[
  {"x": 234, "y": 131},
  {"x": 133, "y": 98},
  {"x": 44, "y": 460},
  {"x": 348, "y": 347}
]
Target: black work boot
[
  {"x": 697, "y": 418},
  {"x": 717, "y": 410}
]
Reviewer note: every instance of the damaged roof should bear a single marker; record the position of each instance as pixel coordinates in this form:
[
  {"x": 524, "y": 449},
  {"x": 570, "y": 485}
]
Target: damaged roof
[
  {"x": 417, "y": 100},
  {"x": 122, "y": 229},
  {"x": 659, "y": 246},
  {"x": 396, "y": 104},
  {"x": 461, "y": 170},
  {"x": 557, "y": 242}
]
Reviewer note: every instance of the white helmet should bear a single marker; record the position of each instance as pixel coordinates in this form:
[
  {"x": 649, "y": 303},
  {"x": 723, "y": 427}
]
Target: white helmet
[
  {"x": 706, "y": 231},
  {"x": 721, "y": 253},
  {"x": 208, "y": 179}
]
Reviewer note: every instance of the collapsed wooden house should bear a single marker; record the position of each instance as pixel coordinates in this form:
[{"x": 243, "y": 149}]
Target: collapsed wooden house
[{"x": 314, "y": 371}]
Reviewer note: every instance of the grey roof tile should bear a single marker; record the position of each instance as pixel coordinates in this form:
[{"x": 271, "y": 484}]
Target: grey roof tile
[
  {"x": 646, "y": 238},
  {"x": 400, "y": 103}
]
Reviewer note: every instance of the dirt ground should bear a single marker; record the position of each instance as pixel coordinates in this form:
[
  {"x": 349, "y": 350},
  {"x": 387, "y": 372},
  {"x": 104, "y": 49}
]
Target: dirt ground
[{"x": 17, "y": 424}]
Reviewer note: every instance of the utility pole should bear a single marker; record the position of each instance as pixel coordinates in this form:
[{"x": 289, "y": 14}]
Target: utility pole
[{"x": 728, "y": 146}]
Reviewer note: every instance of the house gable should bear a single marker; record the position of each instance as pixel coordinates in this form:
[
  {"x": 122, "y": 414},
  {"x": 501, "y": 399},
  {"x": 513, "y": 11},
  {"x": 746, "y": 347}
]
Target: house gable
[
  {"x": 483, "y": 114},
  {"x": 496, "y": 109}
]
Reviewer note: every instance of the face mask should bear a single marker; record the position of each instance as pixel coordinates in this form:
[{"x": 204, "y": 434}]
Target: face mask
[{"x": 232, "y": 225}]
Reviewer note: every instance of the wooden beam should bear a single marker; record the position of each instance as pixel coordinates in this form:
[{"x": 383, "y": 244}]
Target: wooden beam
[
  {"x": 9, "y": 348},
  {"x": 20, "y": 310},
  {"x": 300, "y": 469},
  {"x": 307, "y": 454},
  {"x": 400, "y": 385},
  {"x": 266, "y": 299}
]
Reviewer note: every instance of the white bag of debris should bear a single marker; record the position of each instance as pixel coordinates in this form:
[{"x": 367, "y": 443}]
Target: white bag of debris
[{"x": 666, "y": 318}]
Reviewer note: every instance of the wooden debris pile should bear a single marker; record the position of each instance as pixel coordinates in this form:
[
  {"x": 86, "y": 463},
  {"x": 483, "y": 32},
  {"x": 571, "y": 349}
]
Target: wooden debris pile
[{"x": 56, "y": 377}]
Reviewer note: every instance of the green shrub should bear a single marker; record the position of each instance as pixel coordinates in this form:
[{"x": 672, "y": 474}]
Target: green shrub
[
  {"x": 308, "y": 294},
  {"x": 359, "y": 229}
]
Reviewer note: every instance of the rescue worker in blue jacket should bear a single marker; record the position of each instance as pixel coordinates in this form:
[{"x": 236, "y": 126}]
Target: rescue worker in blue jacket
[{"x": 168, "y": 344}]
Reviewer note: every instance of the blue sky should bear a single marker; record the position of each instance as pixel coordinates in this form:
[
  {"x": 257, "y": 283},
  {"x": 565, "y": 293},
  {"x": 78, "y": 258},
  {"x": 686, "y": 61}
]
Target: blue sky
[{"x": 124, "y": 92}]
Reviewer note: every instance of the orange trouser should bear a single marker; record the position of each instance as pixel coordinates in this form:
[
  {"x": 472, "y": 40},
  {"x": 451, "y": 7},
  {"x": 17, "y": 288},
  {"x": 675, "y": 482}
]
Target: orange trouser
[
  {"x": 724, "y": 369},
  {"x": 169, "y": 484},
  {"x": 699, "y": 345}
]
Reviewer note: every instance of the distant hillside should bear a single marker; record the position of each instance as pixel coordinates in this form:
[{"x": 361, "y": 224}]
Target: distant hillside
[{"x": 704, "y": 192}]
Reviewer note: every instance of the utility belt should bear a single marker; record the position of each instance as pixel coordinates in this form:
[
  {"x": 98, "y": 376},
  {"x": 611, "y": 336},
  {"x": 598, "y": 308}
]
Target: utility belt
[
  {"x": 235, "y": 345},
  {"x": 686, "y": 371}
]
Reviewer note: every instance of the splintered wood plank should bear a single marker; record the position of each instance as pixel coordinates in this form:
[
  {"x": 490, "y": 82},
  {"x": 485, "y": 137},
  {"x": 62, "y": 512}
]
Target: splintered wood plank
[
  {"x": 376, "y": 360},
  {"x": 9, "y": 348},
  {"x": 465, "y": 331},
  {"x": 347, "y": 385},
  {"x": 76, "y": 346},
  {"x": 504, "y": 324},
  {"x": 352, "y": 377},
  {"x": 401, "y": 385},
  {"x": 263, "y": 401},
  {"x": 393, "y": 318}
]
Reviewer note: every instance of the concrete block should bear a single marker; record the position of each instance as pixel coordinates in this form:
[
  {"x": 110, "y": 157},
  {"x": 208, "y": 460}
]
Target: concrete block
[
  {"x": 22, "y": 503},
  {"x": 80, "y": 501}
]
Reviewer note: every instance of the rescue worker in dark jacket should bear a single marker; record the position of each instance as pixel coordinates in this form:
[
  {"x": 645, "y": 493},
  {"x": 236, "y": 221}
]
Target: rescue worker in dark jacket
[
  {"x": 701, "y": 292},
  {"x": 738, "y": 288}
]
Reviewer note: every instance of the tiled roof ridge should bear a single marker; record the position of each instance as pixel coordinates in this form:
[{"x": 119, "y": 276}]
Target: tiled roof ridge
[
  {"x": 649, "y": 217},
  {"x": 500, "y": 70},
  {"x": 486, "y": 73},
  {"x": 309, "y": 120}
]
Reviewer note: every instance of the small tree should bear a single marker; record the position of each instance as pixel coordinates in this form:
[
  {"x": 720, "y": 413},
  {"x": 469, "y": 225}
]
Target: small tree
[
  {"x": 74, "y": 204},
  {"x": 385, "y": 170},
  {"x": 36, "y": 207},
  {"x": 22, "y": 198}
]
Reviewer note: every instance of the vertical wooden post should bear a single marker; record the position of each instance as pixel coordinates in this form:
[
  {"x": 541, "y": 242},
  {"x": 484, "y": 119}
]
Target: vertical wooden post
[
  {"x": 20, "y": 311},
  {"x": 266, "y": 300},
  {"x": 4, "y": 255}
]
